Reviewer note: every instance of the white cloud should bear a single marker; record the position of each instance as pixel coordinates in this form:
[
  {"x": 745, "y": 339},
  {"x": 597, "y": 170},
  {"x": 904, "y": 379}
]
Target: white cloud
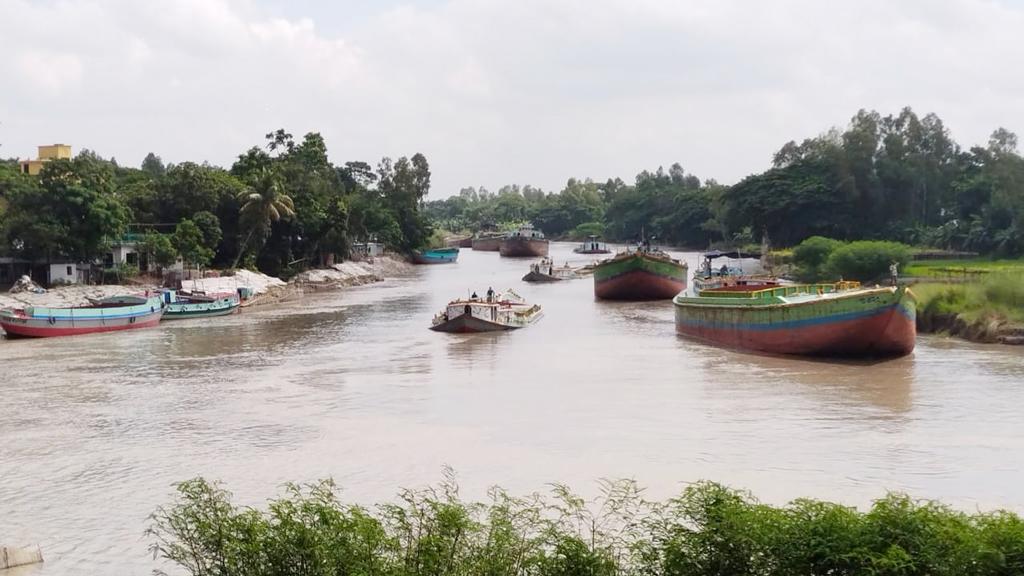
[{"x": 499, "y": 91}]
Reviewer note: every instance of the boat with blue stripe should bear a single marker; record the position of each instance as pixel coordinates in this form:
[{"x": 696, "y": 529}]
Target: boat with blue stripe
[
  {"x": 435, "y": 256},
  {"x": 183, "y": 305},
  {"x": 106, "y": 315}
]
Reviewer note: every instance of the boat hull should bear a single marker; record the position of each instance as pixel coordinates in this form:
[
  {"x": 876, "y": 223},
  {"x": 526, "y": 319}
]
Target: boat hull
[
  {"x": 446, "y": 256},
  {"x": 469, "y": 324},
  {"x": 877, "y": 322},
  {"x": 485, "y": 244},
  {"x": 186, "y": 310},
  {"x": 540, "y": 277},
  {"x": 639, "y": 277},
  {"x": 580, "y": 251},
  {"x": 520, "y": 247},
  {"x": 39, "y": 322}
]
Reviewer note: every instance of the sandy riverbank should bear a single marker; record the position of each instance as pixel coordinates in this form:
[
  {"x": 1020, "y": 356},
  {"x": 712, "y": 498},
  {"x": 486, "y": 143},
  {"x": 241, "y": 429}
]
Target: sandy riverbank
[{"x": 266, "y": 289}]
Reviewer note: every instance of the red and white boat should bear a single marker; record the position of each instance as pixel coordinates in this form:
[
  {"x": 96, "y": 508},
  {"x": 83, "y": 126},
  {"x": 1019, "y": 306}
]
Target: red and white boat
[
  {"x": 493, "y": 313},
  {"x": 106, "y": 315}
]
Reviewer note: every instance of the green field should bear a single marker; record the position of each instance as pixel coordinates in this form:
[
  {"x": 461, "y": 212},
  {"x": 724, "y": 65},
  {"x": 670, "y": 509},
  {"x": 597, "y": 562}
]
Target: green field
[{"x": 962, "y": 269}]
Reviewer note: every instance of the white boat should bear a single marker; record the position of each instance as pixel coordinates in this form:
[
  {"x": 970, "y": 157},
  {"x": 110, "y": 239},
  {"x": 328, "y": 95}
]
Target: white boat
[{"x": 493, "y": 313}]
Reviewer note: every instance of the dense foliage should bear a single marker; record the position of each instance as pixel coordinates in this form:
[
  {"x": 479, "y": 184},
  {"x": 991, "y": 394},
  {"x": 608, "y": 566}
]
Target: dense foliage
[
  {"x": 898, "y": 177},
  {"x": 279, "y": 208},
  {"x": 819, "y": 258},
  {"x": 708, "y": 530}
]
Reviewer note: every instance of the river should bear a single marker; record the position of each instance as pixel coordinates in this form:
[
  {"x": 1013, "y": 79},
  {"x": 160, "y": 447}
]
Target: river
[{"x": 351, "y": 384}]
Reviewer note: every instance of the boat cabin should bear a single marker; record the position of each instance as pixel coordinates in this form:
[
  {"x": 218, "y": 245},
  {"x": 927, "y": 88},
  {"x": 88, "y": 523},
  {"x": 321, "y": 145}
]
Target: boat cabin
[{"x": 526, "y": 231}]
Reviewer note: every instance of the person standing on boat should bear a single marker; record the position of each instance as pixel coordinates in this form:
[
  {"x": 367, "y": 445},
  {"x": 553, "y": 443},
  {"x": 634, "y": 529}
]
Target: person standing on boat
[
  {"x": 490, "y": 294},
  {"x": 894, "y": 272}
]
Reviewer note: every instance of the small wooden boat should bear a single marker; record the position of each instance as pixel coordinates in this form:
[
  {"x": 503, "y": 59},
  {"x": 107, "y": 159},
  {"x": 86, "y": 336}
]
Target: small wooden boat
[
  {"x": 182, "y": 305},
  {"x": 436, "y": 256},
  {"x": 640, "y": 274},
  {"x": 709, "y": 277},
  {"x": 524, "y": 242},
  {"x": 106, "y": 315},
  {"x": 486, "y": 242},
  {"x": 495, "y": 313},
  {"x": 841, "y": 319},
  {"x": 592, "y": 246}
]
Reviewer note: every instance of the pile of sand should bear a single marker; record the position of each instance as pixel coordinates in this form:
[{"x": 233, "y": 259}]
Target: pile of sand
[
  {"x": 339, "y": 275},
  {"x": 67, "y": 296},
  {"x": 257, "y": 282}
]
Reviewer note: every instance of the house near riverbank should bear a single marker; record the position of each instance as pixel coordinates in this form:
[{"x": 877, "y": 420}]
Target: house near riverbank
[{"x": 54, "y": 273}]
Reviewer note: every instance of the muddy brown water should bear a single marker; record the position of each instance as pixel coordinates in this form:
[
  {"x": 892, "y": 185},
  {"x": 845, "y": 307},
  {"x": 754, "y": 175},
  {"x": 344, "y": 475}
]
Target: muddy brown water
[{"x": 352, "y": 385}]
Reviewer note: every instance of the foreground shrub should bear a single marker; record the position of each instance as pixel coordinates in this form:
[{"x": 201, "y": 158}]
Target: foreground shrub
[
  {"x": 866, "y": 260},
  {"x": 811, "y": 255},
  {"x": 708, "y": 530}
]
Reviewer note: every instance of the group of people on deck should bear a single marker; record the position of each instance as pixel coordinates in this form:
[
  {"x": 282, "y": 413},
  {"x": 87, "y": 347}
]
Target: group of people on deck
[{"x": 490, "y": 295}]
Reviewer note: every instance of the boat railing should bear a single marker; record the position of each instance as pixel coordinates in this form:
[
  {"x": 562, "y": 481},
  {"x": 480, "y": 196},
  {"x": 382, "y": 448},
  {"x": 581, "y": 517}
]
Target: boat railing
[{"x": 783, "y": 291}]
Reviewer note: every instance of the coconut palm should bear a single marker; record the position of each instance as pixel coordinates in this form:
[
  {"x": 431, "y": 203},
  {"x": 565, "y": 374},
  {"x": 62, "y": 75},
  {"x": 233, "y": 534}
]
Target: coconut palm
[{"x": 263, "y": 203}]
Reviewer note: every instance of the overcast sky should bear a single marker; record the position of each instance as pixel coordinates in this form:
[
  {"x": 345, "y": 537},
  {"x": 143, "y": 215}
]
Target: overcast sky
[{"x": 493, "y": 92}]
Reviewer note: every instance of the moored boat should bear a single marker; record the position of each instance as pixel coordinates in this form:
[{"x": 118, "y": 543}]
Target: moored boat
[
  {"x": 840, "y": 319},
  {"x": 494, "y": 313},
  {"x": 180, "y": 305},
  {"x": 436, "y": 256},
  {"x": 546, "y": 271},
  {"x": 525, "y": 241},
  {"x": 640, "y": 274},
  {"x": 487, "y": 242},
  {"x": 709, "y": 277},
  {"x": 592, "y": 246},
  {"x": 458, "y": 242},
  {"x": 106, "y": 315}
]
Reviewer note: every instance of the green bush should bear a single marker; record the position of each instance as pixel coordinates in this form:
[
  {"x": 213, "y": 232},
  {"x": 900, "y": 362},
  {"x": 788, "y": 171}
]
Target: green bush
[
  {"x": 708, "y": 530},
  {"x": 586, "y": 229},
  {"x": 811, "y": 255},
  {"x": 866, "y": 260}
]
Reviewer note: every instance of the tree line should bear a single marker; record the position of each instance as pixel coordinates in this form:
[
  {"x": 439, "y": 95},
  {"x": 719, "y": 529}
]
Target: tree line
[
  {"x": 898, "y": 177},
  {"x": 279, "y": 208}
]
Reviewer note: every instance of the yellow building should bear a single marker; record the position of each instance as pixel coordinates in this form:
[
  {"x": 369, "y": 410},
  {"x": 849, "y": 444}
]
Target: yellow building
[{"x": 46, "y": 153}]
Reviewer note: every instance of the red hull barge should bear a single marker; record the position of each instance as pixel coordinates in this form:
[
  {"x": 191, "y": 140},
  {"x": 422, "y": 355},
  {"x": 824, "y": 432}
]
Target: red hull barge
[
  {"x": 639, "y": 275},
  {"x": 819, "y": 320}
]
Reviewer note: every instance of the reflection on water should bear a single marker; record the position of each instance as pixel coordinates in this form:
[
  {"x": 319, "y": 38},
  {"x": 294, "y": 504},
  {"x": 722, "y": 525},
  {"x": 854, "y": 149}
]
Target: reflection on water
[{"x": 353, "y": 385}]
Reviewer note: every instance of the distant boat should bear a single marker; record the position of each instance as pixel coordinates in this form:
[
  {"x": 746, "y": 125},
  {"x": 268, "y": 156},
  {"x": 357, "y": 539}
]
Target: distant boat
[
  {"x": 458, "y": 242},
  {"x": 546, "y": 271},
  {"x": 436, "y": 256},
  {"x": 710, "y": 277},
  {"x": 105, "y": 315},
  {"x": 592, "y": 246},
  {"x": 639, "y": 274},
  {"x": 841, "y": 319},
  {"x": 486, "y": 242},
  {"x": 524, "y": 241},
  {"x": 498, "y": 312},
  {"x": 180, "y": 305}
]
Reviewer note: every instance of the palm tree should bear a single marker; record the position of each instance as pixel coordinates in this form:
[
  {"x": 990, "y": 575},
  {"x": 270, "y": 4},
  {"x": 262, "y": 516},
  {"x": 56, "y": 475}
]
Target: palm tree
[{"x": 263, "y": 203}]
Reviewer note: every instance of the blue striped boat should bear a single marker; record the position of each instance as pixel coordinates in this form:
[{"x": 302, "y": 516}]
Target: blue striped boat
[{"x": 436, "y": 256}]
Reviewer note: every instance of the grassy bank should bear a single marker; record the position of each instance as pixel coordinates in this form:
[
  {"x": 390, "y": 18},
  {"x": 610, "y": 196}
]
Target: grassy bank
[
  {"x": 707, "y": 530},
  {"x": 968, "y": 269},
  {"x": 990, "y": 309}
]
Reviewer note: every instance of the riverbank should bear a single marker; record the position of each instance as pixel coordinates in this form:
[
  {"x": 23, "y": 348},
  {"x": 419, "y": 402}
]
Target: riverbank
[
  {"x": 989, "y": 311},
  {"x": 265, "y": 289}
]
